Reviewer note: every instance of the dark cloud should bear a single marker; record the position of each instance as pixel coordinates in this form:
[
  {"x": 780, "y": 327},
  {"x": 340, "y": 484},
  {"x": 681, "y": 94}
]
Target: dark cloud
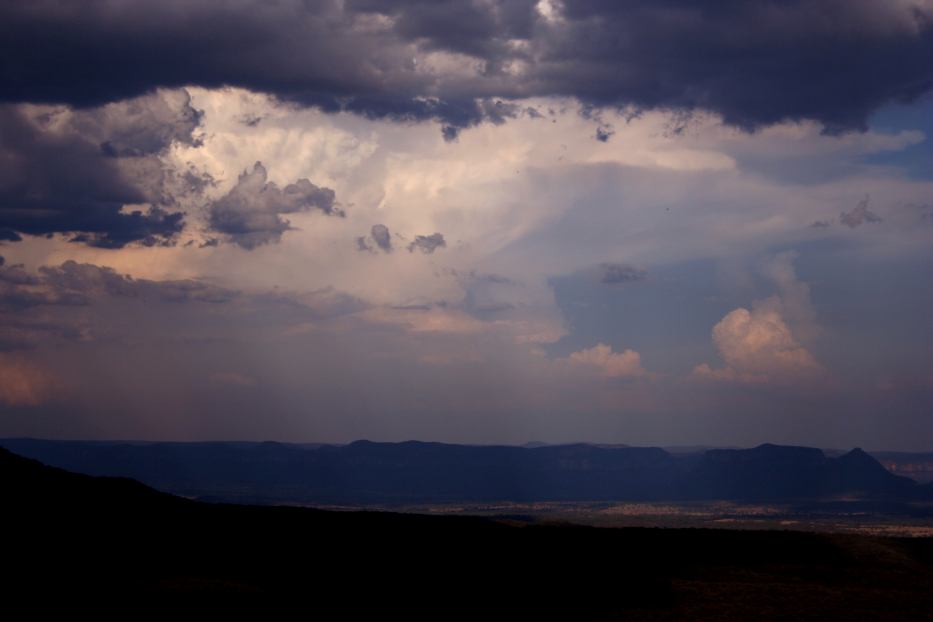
[
  {"x": 533, "y": 113},
  {"x": 84, "y": 302},
  {"x": 755, "y": 62},
  {"x": 88, "y": 281},
  {"x": 820, "y": 224},
  {"x": 156, "y": 227},
  {"x": 74, "y": 171},
  {"x": 859, "y": 215},
  {"x": 250, "y": 214},
  {"x": 19, "y": 331},
  {"x": 450, "y": 133},
  {"x": 603, "y": 134},
  {"x": 76, "y": 284},
  {"x": 20, "y": 289},
  {"x": 615, "y": 273},
  {"x": 50, "y": 303},
  {"x": 250, "y": 119},
  {"x": 363, "y": 246},
  {"x": 143, "y": 126},
  {"x": 382, "y": 238},
  {"x": 427, "y": 244},
  {"x": 378, "y": 238},
  {"x": 16, "y": 275}
]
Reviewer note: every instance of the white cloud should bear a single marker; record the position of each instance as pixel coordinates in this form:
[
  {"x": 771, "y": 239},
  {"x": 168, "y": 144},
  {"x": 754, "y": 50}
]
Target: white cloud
[
  {"x": 758, "y": 347},
  {"x": 625, "y": 364},
  {"x": 525, "y": 193}
]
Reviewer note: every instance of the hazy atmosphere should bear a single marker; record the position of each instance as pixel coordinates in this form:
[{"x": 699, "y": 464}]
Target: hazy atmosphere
[{"x": 471, "y": 221}]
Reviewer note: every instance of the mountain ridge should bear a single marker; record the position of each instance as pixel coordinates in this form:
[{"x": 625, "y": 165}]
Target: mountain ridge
[{"x": 368, "y": 472}]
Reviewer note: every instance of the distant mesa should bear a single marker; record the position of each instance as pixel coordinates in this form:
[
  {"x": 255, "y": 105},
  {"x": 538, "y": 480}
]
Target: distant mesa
[{"x": 366, "y": 472}]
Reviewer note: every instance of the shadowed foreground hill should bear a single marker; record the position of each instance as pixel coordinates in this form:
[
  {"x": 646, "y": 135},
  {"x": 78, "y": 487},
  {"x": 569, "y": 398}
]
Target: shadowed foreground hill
[
  {"x": 364, "y": 472},
  {"x": 97, "y": 544}
]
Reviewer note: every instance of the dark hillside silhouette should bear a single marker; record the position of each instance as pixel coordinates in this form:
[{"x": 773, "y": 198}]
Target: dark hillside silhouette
[{"x": 97, "y": 545}]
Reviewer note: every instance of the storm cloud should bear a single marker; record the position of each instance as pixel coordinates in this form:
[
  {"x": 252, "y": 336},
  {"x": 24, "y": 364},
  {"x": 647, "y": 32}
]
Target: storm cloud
[
  {"x": 461, "y": 61},
  {"x": 250, "y": 214},
  {"x": 74, "y": 171},
  {"x": 502, "y": 274}
]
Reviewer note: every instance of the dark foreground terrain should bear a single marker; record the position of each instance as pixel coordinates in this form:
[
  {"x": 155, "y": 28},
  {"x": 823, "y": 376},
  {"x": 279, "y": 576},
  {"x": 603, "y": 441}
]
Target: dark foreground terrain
[{"x": 82, "y": 543}]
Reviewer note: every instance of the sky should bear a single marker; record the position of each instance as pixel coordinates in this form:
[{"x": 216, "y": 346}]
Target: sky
[{"x": 472, "y": 221}]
